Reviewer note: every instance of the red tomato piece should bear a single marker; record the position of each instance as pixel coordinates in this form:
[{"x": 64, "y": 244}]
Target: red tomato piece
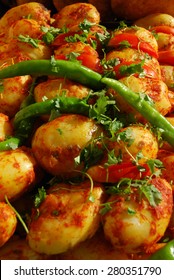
[
  {"x": 166, "y": 57},
  {"x": 134, "y": 42},
  {"x": 163, "y": 29},
  {"x": 116, "y": 172},
  {"x": 148, "y": 71}
]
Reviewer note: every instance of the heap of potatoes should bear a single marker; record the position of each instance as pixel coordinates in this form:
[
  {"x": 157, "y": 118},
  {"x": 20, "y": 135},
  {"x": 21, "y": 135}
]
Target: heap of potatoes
[{"x": 121, "y": 9}]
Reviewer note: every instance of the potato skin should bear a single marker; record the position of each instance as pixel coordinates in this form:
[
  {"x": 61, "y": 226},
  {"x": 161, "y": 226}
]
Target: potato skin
[
  {"x": 6, "y": 128},
  {"x": 135, "y": 9},
  {"x": 68, "y": 211},
  {"x": 133, "y": 233},
  {"x": 36, "y": 10},
  {"x": 17, "y": 172},
  {"x": 57, "y": 143},
  {"x": 8, "y": 222}
]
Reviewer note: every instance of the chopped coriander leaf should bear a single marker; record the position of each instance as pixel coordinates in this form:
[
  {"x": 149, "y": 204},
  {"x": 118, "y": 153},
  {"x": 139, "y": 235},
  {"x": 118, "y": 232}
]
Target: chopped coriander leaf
[
  {"x": 124, "y": 44},
  {"x": 27, "y": 39},
  {"x": 53, "y": 64},
  {"x": 132, "y": 68},
  {"x": 86, "y": 25},
  {"x": 73, "y": 57},
  {"x": 125, "y": 136},
  {"x": 40, "y": 196},
  {"x": 131, "y": 211},
  {"x": 1, "y": 86},
  {"x": 51, "y": 33}
]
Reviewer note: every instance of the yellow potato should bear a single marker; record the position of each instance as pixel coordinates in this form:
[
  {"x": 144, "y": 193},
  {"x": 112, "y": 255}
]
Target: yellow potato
[
  {"x": 8, "y": 222},
  {"x": 133, "y": 225},
  {"x": 154, "y": 88},
  {"x": 57, "y": 143},
  {"x": 138, "y": 139},
  {"x": 15, "y": 90},
  {"x": 155, "y": 20},
  {"x": 6, "y": 128},
  {"x": 72, "y": 15},
  {"x": 35, "y": 10},
  {"x": 66, "y": 218},
  {"x": 135, "y": 9},
  {"x": 17, "y": 172}
]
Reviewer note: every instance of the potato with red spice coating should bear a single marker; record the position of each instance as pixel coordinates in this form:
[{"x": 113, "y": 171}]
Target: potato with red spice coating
[
  {"x": 33, "y": 10},
  {"x": 72, "y": 15},
  {"x": 19, "y": 171},
  {"x": 66, "y": 217},
  {"x": 8, "y": 222},
  {"x": 57, "y": 143},
  {"x": 138, "y": 217},
  {"x": 6, "y": 128}
]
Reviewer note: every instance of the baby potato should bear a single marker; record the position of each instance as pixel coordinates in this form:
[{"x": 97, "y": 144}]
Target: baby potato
[
  {"x": 6, "y": 128},
  {"x": 156, "y": 89},
  {"x": 41, "y": 52},
  {"x": 17, "y": 172},
  {"x": 133, "y": 224},
  {"x": 155, "y": 19},
  {"x": 34, "y": 10},
  {"x": 14, "y": 91},
  {"x": 132, "y": 55},
  {"x": 17, "y": 248},
  {"x": 168, "y": 171},
  {"x": 57, "y": 87},
  {"x": 66, "y": 218},
  {"x": 57, "y": 143},
  {"x": 72, "y": 15},
  {"x": 26, "y": 27},
  {"x": 136, "y": 139},
  {"x": 8, "y": 222}
]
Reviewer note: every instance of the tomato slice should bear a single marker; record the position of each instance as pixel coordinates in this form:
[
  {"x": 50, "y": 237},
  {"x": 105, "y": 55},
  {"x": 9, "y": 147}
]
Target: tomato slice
[
  {"x": 61, "y": 38},
  {"x": 166, "y": 57},
  {"x": 134, "y": 42},
  {"x": 148, "y": 71},
  {"x": 163, "y": 29},
  {"x": 87, "y": 60},
  {"x": 116, "y": 172}
]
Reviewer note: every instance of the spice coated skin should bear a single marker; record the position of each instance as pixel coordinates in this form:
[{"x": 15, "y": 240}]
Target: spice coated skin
[{"x": 61, "y": 146}]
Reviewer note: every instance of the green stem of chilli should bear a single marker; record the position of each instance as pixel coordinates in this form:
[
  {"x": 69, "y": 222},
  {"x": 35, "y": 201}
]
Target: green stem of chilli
[
  {"x": 144, "y": 108},
  {"x": 17, "y": 214}
]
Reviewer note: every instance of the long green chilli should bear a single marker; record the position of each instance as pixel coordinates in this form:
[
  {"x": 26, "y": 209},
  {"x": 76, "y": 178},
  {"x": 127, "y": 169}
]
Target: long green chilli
[{"x": 85, "y": 76}]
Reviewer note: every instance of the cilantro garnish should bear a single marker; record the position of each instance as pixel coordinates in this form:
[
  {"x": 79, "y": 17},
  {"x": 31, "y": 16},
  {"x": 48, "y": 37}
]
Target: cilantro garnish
[
  {"x": 27, "y": 39},
  {"x": 40, "y": 196}
]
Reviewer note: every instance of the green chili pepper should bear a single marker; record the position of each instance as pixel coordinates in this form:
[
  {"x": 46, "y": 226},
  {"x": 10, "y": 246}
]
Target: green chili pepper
[
  {"x": 144, "y": 108},
  {"x": 63, "y": 104},
  {"x": 165, "y": 253},
  {"x": 10, "y": 144},
  {"x": 59, "y": 68}
]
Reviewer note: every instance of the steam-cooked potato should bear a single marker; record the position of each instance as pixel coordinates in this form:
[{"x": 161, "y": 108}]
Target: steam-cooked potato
[
  {"x": 156, "y": 19},
  {"x": 35, "y": 10},
  {"x": 136, "y": 9},
  {"x": 154, "y": 88},
  {"x": 128, "y": 55},
  {"x": 66, "y": 218},
  {"x": 132, "y": 224},
  {"x": 25, "y": 27},
  {"x": 8, "y": 223},
  {"x": 14, "y": 91},
  {"x": 136, "y": 139},
  {"x": 6, "y": 128},
  {"x": 57, "y": 87},
  {"x": 57, "y": 143},
  {"x": 18, "y": 171},
  {"x": 72, "y": 15}
]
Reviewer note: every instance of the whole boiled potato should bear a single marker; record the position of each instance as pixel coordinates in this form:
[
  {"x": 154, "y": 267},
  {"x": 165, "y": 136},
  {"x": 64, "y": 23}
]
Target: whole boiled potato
[{"x": 132, "y": 10}]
